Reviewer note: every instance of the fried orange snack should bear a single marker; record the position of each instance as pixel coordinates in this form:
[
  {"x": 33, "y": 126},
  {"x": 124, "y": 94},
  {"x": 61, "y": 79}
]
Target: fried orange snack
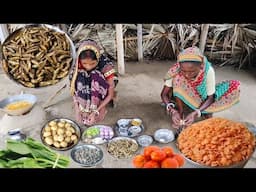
[{"x": 216, "y": 142}]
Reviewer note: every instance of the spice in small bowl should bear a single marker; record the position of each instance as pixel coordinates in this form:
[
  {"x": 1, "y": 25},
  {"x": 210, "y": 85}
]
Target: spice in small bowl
[{"x": 136, "y": 122}]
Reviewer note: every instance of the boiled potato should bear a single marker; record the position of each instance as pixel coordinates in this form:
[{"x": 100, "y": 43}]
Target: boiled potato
[
  {"x": 49, "y": 140},
  {"x": 68, "y": 133},
  {"x": 60, "y": 131},
  {"x": 52, "y": 123},
  {"x": 61, "y": 124},
  {"x": 47, "y": 133},
  {"x": 60, "y": 138},
  {"x": 73, "y": 137},
  {"x": 60, "y": 134},
  {"x": 55, "y": 137},
  {"x": 67, "y": 139},
  {"x": 54, "y": 132},
  {"x": 56, "y": 144},
  {"x": 67, "y": 125},
  {"x": 54, "y": 127},
  {"x": 63, "y": 144},
  {"x": 47, "y": 128},
  {"x": 72, "y": 129}
]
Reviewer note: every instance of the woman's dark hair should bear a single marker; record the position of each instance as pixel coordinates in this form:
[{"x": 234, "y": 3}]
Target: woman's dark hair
[
  {"x": 87, "y": 54},
  {"x": 197, "y": 63}
]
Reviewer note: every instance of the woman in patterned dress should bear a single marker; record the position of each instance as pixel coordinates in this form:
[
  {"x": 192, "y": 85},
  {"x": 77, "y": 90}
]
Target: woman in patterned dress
[
  {"x": 92, "y": 83},
  {"x": 191, "y": 82}
]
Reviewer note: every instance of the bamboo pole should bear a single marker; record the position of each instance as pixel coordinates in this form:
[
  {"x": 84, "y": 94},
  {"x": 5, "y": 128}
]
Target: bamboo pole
[
  {"x": 145, "y": 37},
  {"x": 120, "y": 49},
  {"x": 203, "y": 36},
  {"x": 150, "y": 36},
  {"x": 139, "y": 42},
  {"x": 3, "y": 32},
  {"x": 64, "y": 27}
]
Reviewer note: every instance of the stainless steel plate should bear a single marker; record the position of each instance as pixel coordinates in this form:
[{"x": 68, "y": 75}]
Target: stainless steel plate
[
  {"x": 122, "y": 147},
  {"x": 87, "y": 155},
  {"x": 124, "y": 128},
  {"x": 100, "y": 136}
]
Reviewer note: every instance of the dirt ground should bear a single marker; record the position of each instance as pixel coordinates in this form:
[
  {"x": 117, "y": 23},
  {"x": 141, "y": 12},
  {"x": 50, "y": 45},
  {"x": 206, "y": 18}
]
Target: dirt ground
[{"x": 138, "y": 96}]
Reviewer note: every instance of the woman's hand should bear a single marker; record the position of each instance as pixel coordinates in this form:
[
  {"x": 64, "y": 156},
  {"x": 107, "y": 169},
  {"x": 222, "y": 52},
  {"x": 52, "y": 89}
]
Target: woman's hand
[
  {"x": 91, "y": 118},
  {"x": 190, "y": 118},
  {"x": 175, "y": 119}
]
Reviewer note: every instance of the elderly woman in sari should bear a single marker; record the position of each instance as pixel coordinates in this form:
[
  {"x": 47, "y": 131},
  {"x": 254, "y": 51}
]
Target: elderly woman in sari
[
  {"x": 92, "y": 83},
  {"x": 191, "y": 82}
]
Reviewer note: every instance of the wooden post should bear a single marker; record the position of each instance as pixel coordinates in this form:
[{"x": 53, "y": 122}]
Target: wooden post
[
  {"x": 203, "y": 36},
  {"x": 3, "y": 32},
  {"x": 139, "y": 42},
  {"x": 120, "y": 49}
]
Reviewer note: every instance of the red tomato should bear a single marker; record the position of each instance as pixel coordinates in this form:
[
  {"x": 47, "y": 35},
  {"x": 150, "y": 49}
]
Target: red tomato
[
  {"x": 151, "y": 164},
  {"x": 148, "y": 150},
  {"x": 169, "y": 163},
  {"x": 158, "y": 155},
  {"x": 139, "y": 161}
]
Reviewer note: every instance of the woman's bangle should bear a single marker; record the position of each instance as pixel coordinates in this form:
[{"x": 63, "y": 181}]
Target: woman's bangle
[
  {"x": 172, "y": 111},
  {"x": 169, "y": 106},
  {"x": 198, "y": 112}
]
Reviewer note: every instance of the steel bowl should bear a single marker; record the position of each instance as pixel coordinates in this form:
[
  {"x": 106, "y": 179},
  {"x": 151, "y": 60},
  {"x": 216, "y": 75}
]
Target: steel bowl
[
  {"x": 54, "y": 28},
  {"x": 12, "y": 99},
  {"x": 73, "y": 124},
  {"x": 87, "y": 155},
  {"x": 145, "y": 140},
  {"x": 251, "y": 127},
  {"x": 164, "y": 136}
]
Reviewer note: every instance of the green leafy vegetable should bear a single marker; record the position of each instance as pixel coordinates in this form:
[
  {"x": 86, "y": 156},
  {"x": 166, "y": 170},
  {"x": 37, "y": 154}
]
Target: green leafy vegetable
[{"x": 31, "y": 154}]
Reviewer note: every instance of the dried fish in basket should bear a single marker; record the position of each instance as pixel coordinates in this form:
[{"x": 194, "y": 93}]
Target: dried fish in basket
[{"x": 37, "y": 55}]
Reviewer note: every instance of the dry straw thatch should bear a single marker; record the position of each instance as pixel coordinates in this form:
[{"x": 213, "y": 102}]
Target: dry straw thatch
[{"x": 227, "y": 44}]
